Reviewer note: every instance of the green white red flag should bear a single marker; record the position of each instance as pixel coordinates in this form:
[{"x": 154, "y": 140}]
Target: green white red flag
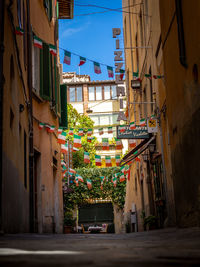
[
  {"x": 149, "y": 76},
  {"x": 75, "y": 149},
  {"x": 67, "y": 57},
  {"x": 105, "y": 144},
  {"x": 102, "y": 180},
  {"x": 100, "y": 131},
  {"x": 132, "y": 143},
  {"x": 158, "y": 76},
  {"x": 132, "y": 125},
  {"x": 122, "y": 128},
  {"x": 114, "y": 180},
  {"x": 89, "y": 183},
  {"x": 110, "y": 72},
  {"x": 50, "y": 128},
  {"x": 79, "y": 178},
  {"x": 77, "y": 140},
  {"x": 98, "y": 160},
  {"x": 37, "y": 42},
  {"x": 41, "y": 125},
  {"x": 89, "y": 132},
  {"x": 118, "y": 144},
  {"x": 64, "y": 148},
  {"x": 71, "y": 131},
  {"x": 80, "y": 132},
  {"x": 89, "y": 139},
  {"x": 122, "y": 178},
  {"x": 142, "y": 122},
  {"x": 110, "y": 130},
  {"x": 19, "y": 31},
  {"x": 86, "y": 157},
  {"x": 97, "y": 68},
  {"x": 62, "y": 138},
  {"x": 122, "y": 74},
  {"x": 52, "y": 49},
  {"x": 60, "y": 130},
  {"x": 82, "y": 61},
  {"x": 72, "y": 170},
  {"x": 108, "y": 161}
]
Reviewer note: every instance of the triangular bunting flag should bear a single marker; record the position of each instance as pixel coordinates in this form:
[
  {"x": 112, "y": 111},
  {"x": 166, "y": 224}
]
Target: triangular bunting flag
[
  {"x": 142, "y": 122},
  {"x": 89, "y": 132},
  {"x": 41, "y": 125},
  {"x": 110, "y": 130},
  {"x": 97, "y": 68},
  {"x": 105, "y": 144},
  {"x": 62, "y": 138},
  {"x": 98, "y": 160},
  {"x": 108, "y": 161},
  {"x": 86, "y": 157},
  {"x": 117, "y": 159},
  {"x": 118, "y": 144},
  {"x": 82, "y": 61},
  {"x": 122, "y": 128},
  {"x": 37, "y": 42},
  {"x": 80, "y": 132},
  {"x": 19, "y": 31},
  {"x": 77, "y": 140},
  {"x": 110, "y": 72},
  {"x": 122, "y": 74},
  {"x": 50, "y": 128},
  {"x": 89, "y": 183},
  {"x": 71, "y": 130},
  {"x": 64, "y": 148},
  {"x": 53, "y": 50},
  {"x": 60, "y": 130},
  {"x": 100, "y": 131},
  {"x": 67, "y": 58},
  {"x": 132, "y": 125}
]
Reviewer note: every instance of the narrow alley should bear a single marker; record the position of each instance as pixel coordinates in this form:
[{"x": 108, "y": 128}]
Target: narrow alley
[{"x": 169, "y": 247}]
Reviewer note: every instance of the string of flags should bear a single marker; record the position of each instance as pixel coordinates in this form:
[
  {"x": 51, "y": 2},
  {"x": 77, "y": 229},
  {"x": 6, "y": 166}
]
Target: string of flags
[{"x": 37, "y": 42}]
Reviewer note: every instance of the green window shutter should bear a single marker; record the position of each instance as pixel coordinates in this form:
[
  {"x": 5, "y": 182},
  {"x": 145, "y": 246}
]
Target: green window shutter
[
  {"x": 63, "y": 97},
  {"x": 50, "y": 10},
  {"x": 45, "y": 79},
  {"x": 57, "y": 86}
]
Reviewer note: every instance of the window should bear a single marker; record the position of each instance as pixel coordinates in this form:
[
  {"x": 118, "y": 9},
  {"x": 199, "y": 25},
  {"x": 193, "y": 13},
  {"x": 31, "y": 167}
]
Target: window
[
  {"x": 98, "y": 93},
  {"x": 91, "y": 93},
  {"x": 104, "y": 119},
  {"x": 75, "y": 94},
  {"x": 36, "y": 69},
  {"x": 107, "y": 92},
  {"x": 114, "y": 93},
  {"x": 79, "y": 94},
  {"x": 72, "y": 95},
  {"x": 48, "y": 8}
]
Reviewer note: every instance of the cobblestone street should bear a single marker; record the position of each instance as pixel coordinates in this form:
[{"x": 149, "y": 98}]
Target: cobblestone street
[{"x": 168, "y": 247}]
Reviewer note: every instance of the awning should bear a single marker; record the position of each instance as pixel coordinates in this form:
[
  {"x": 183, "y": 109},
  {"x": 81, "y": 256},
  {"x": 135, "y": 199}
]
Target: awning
[{"x": 135, "y": 152}]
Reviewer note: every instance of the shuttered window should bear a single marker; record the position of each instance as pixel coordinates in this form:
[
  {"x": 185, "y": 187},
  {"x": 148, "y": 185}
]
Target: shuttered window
[
  {"x": 45, "y": 73},
  {"x": 63, "y": 102}
]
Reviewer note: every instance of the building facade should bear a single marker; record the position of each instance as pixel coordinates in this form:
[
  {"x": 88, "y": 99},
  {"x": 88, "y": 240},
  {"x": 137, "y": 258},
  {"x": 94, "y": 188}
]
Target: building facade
[
  {"x": 31, "y": 182},
  {"x": 99, "y": 101}
]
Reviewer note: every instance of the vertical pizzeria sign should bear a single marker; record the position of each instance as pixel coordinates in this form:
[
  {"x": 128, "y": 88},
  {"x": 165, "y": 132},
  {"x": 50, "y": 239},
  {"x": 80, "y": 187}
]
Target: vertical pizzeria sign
[{"x": 118, "y": 70}]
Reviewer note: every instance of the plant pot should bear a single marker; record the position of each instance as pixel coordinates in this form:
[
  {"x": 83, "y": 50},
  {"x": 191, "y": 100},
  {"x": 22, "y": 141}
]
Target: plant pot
[{"x": 67, "y": 229}]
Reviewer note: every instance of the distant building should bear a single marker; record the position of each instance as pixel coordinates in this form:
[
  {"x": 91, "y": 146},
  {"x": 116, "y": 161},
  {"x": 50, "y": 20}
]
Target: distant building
[{"x": 99, "y": 101}]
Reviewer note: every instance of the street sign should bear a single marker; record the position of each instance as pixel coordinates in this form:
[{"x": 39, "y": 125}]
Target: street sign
[
  {"x": 138, "y": 133},
  {"x": 152, "y": 125}
]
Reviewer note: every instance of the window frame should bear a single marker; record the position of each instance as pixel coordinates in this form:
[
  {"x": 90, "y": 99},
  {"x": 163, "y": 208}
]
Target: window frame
[
  {"x": 76, "y": 95},
  {"x": 103, "y": 92}
]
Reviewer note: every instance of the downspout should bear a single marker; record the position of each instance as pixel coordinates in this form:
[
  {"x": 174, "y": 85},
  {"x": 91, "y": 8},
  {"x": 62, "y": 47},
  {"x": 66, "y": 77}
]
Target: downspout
[
  {"x": 31, "y": 150},
  {"x": 2, "y": 6}
]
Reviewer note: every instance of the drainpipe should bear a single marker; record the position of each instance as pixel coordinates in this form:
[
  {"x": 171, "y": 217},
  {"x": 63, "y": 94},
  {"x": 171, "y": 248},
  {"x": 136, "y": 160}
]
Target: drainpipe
[
  {"x": 2, "y": 6},
  {"x": 31, "y": 150}
]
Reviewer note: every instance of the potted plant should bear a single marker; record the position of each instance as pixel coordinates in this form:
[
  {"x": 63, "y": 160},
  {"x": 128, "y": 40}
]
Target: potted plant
[
  {"x": 69, "y": 222},
  {"x": 150, "y": 222}
]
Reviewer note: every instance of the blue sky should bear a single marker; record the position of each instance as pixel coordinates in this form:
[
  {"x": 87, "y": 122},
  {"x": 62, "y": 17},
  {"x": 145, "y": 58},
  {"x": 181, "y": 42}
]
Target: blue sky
[{"x": 90, "y": 36}]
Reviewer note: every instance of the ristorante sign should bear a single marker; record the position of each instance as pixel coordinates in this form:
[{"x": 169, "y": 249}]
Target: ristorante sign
[
  {"x": 119, "y": 76},
  {"x": 138, "y": 133}
]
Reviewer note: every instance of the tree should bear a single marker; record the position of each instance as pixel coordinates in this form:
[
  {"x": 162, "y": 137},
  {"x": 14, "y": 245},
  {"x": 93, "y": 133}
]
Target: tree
[{"x": 77, "y": 121}]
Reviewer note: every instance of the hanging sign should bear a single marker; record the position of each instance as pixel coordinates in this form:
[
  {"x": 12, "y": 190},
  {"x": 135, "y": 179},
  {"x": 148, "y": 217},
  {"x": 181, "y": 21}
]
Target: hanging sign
[
  {"x": 140, "y": 132},
  {"x": 152, "y": 126}
]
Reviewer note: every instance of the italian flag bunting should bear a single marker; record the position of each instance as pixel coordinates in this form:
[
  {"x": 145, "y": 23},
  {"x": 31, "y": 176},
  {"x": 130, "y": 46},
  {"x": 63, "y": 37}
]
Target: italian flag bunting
[
  {"x": 117, "y": 160},
  {"x": 136, "y": 74},
  {"x": 110, "y": 130},
  {"x": 77, "y": 140},
  {"x": 122, "y": 74},
  {"x": 76, "y": 181},
  {"x": 19, "y": 31},
  {"x": 108, "y": 161},
  {"x": 37, "y": 42},
  {"x": 63, "y": 163},
  {"x": 75, "y": 149},
  {"x": 52, "y": 49},
  {"x": 89, "y": 139},
  {"x": 105, "y": 144},
  {"x": 82, "y": 61},
  {"x": 41, "y": 125},
  {"x": 122, "y": 178},
  {"x": 60, "y": 130},
  {"x": 79, "y": 178},
  {"x": 71, "y": 130},
  {"x": 132, "y": 143},
  {"x": 132, "y": 125},
  {"x": 110, "y": 72},
  {"x": 67, "y": 57},
  {"x": 86, "y": 157},
  {"x": 102, "y": 180},
  {"x": 89, "y": 183},
  {"x": 72, "y": 170},
  {"x": 148, "y": 76},
  {"x": 89, "y": 132},
  {"x": 62, "y": 138},
  {"x": 158, "y": 76},
  {"x": 122, "y": 128},
  {"x": 98, "y": 160},
  {"x": 114, "y": 180},
  {"x": 142, "y": 122},
  {"x": 100, "y": 131},
  {"x": 123, "y": 169},
  {"x": 50, "y": 128},
  {"x": 64, "y": 148},
  {"x": 97, "y": 68},
  {"x": 80, "y": 132},
  {"x": 118, "y": 144}
]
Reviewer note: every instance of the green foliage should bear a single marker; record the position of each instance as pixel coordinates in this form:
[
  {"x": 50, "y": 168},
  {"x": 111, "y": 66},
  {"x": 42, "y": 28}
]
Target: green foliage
[
  {"x": 77, "y": 121},
  {"x": 151, "y": 220},
  {"x": 68, "y": 219},
  {"x": 82, "y": 194}
]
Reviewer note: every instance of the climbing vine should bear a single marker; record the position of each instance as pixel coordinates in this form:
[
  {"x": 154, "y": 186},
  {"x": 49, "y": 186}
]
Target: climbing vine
[{"x": 79, "y": 195}]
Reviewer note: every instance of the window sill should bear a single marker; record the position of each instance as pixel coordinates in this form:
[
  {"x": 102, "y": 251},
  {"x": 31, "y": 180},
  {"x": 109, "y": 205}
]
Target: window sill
[{"x": 37, "y": 97}]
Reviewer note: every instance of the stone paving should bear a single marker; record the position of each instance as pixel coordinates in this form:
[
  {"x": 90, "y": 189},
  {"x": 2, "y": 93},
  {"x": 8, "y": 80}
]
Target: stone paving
[{"x": 168, "y": 247}]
